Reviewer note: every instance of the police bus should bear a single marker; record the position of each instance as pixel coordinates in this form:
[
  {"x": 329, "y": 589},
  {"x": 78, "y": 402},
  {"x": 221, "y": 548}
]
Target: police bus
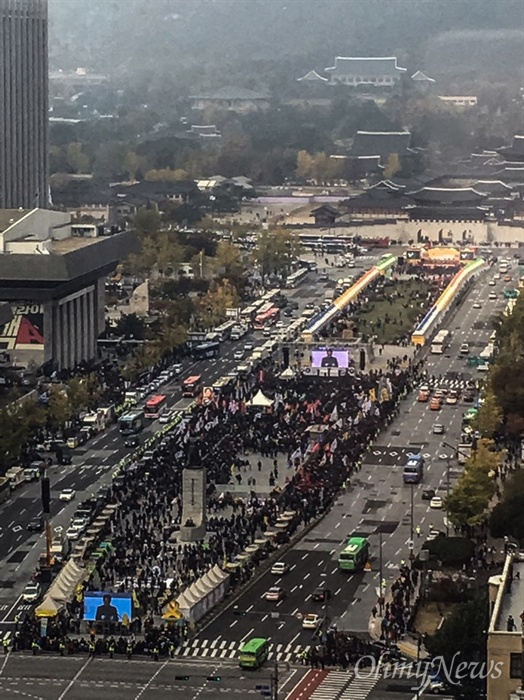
[{"x": 131, "y": 423}]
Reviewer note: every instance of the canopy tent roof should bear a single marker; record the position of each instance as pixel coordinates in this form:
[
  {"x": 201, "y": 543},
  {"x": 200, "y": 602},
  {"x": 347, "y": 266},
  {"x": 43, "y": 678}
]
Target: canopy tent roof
[
  {"x": 48, "y": 607},
  {"x": 287, "y": 373},
  {"x": 259, "y": 399}
]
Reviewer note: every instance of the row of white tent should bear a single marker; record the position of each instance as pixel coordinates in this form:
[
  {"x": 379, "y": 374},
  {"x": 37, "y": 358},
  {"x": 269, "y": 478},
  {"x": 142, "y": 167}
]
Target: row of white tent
[
  {"x": 203, "y": 594},
  {"x": 62, "y": 589}
]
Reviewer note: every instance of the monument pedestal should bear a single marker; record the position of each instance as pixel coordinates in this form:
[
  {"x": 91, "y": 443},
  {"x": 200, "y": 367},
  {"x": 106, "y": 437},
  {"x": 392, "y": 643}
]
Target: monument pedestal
[{"x": 193, "y": 526}]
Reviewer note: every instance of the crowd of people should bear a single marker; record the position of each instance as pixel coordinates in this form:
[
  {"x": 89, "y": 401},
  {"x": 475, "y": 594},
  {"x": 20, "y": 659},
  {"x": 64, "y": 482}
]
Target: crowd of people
[{"x": 223, "y": 436}]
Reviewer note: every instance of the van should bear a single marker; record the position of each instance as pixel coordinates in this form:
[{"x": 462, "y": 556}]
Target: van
[{"x": 253, "y": 653}]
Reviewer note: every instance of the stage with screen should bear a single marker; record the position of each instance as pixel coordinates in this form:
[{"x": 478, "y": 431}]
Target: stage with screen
[
  {"x": 107, "y": 607},
  {"x": 330, "y": 357}
]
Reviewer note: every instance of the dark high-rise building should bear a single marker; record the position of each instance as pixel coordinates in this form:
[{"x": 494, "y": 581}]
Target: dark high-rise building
[{"x": 23, "y": 104}]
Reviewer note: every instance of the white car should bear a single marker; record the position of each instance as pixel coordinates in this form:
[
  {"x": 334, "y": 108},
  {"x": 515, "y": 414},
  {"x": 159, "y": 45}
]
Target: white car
[
  {"x": 67, "y": 495},
  {"x": 477, "y": 305},
  {"x": 239, "y": 355},
  {"x": 31, "y": 593},
  {"x": 438, "y": 429},
  {"x": 483, "y": 367},
  {"x": 73, "y": 534},
  {"x": 275, "y": 593},
  {"x": 165, "y": 417},
  {"x": 492, "y": 283},
  {"x": 436, "y": 502},
  {"x": 311, "y": 621},
  {"x": 177, "y": 369},
  {"x": 452, "y": 398},
  {"x": 248, "y": 347},
  {"x": 496, "y": 277},
  {"x": 279, "y": 568},
  {"x": 492, "y": 296}
]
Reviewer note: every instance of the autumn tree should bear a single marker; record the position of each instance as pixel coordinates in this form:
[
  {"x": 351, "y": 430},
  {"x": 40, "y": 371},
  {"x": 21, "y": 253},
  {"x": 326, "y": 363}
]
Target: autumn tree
[
  {"x": 467, "y": 505},
  {"x": 212, "y": 306},
  {"x": 489, "y": 416},
  {"x": 507, "y": 518},
  {"x": 59, "y": 408}
]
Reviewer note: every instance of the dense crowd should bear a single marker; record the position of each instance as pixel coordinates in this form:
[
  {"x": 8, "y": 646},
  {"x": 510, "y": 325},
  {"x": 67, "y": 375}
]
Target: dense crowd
[{"x": 225, "y": 436}]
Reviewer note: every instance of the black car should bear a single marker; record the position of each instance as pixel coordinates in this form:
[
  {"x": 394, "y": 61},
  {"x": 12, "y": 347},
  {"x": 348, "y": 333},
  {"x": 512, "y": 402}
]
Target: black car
[
  {"x": 36, "y": 524},
  {"x": 428, "y": 494},
  {"x": 132, "y": 441},
  {"x": 321, "y": 594}
]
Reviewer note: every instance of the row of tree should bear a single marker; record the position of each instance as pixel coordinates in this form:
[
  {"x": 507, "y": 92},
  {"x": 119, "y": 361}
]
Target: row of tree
[
  {"x": 57, "y": 404},
  {"x": 500, "y": 420}
]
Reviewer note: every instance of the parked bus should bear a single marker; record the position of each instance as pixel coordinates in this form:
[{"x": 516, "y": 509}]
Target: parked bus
[
  {"x": 191, "y": 386},
  {"x": 355, "y": 554},
  {"x": 413, "y": 469},
  {"x": 155, "y": 406},
  {"x": 440, "y": 342},
  {"x": 267, "y": 318},
  {"x": 131, "y": 423},
  {"x": 224, "y": 331},
  {"x": 206, "y": 350},
  {"x": 297, "y": 277},
  {"x": 253, "y": 653}
]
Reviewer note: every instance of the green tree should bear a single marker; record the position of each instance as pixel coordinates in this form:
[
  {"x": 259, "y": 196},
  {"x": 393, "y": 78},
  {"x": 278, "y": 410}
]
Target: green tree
[
  {"x": 13, "y": 433},
  {"x": 228, "y": 263},
  {"x": 507, "y": 517},
  {"x": 78, "y": 394},
  {"x": 276, "y": 250},
  {"x": 147, "y": 222},
  {"x": 462, "y": 638},
  {"x": 77, "y": 160}
]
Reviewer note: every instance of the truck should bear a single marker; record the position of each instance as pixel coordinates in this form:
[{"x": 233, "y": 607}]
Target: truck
[
  {"x": 97, "y": 421},
  {"x": 60, "y": 547},
  {"x": 463, "y": 452},
  {"x": 15, "y": 476}
]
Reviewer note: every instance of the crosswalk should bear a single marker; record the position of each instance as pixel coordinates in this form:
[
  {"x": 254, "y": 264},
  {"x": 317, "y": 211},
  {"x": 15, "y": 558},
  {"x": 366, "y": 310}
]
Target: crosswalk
[
  {"x": 222, "y": 649},
  {"x": 359, "y": 688},
  {"x": 332, "y": 685},
  {"x": 345, "y": 685},
  {"x": 458, "y": 384}
]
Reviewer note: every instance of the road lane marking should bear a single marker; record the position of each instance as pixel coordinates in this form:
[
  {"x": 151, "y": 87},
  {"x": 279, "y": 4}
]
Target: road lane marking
[{"x": 77, "y": 675}]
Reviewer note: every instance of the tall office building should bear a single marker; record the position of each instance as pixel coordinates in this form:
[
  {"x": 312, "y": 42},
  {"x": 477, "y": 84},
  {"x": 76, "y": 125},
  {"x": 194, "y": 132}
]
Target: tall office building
[{"x": 23, "y": 104}]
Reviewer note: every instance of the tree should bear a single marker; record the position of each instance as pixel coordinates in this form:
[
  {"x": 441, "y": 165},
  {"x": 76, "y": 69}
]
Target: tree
[
  {"x": 13, "y": 433},
  {"x": 59, "y": 409},
  {"x": 489, "y": 417},
  {"x": 468, "y": 503},
  {"x": 212, "y": 306},
  {"x": 228, "y": 263},
  {"x": 131, "y": 326},
  {"x": 507, "y": 518},
  {"x": 462, "y": 638},
  {"x": 276, "y": 250},
  {"x": 77, "y": 160},
  {"x": 147, "y": 222},
  {"x": 393, "y": 166},
  {"x": 78, "y": 394},
  {"x": 166, "y": 175}
]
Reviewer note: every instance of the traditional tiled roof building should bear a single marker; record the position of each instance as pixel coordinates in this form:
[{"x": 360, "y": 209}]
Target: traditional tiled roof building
[{"x": 374, "y": 71}]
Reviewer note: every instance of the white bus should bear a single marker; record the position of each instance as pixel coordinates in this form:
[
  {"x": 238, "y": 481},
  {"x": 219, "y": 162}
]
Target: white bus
[
  {"x": 440, "y": 342},
  {"x": 224, "y": 331},
  {"x": 297, "y": 277}
]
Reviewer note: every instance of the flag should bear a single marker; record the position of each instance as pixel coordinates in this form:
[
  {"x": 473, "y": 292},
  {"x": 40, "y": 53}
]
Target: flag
[
  {"x": 334, "y": 445},
  {"x": 334, "y": 415}
]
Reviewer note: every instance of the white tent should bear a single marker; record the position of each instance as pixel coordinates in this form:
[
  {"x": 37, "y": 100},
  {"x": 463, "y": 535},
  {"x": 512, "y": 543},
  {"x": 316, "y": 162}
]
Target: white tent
[
  {"x": 260, "y": 401},
  {"x": 287, "y": 373}
]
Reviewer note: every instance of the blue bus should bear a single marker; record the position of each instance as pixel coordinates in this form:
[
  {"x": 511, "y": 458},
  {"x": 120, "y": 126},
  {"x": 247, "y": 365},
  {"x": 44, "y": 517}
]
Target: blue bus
[
  {"x": 413, "y": 469},
  {"x": 205, "y": 351}
]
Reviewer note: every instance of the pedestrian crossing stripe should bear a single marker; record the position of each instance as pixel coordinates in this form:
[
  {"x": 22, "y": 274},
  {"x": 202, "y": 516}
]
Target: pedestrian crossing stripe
[
  {"x": 223, "y": 649},
  {"x": 447, "y": 383},
  {"x": 359, "y": 688},
  {"x": 331, "y": 686}
]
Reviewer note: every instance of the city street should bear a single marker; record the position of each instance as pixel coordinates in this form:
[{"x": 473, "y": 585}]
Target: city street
[{"x": 376, "y": 504}]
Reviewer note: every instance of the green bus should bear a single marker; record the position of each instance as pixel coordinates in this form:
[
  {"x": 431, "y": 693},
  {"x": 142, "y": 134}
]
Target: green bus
[
  {"x": 355, "y": 554},
  {"x": 253, "y": 653}
]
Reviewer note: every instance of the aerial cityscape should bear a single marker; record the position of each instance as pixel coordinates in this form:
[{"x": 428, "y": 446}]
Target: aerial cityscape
[{"x": 261, "y": 349}]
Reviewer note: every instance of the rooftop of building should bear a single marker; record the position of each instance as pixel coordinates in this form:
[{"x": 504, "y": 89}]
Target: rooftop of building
[
  {"x": 382, "y": 143},
  {"x": 8, "y": 217},
  {"x": 510, "y": 595},
  {"x": 370, "y": 65}
]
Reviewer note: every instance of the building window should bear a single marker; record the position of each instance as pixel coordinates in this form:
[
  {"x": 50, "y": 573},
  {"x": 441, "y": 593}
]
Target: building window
[{"x": 515, "y": 666}]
